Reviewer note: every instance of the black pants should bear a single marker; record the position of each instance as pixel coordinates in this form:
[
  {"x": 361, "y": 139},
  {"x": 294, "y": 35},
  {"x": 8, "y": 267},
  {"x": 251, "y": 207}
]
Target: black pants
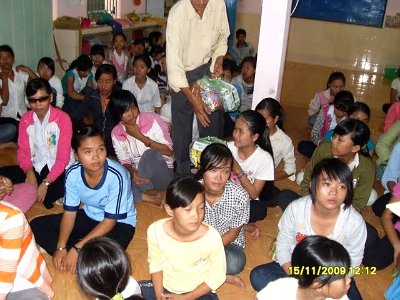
[
  {"x": 13, "y": 122},
  {"x": 54, "y": 191},
  {"x": 46, "y": 230},
  {"x": 306, "y": 148},
  {"x": 380, "y": 204},
  {"x": 378, "y": 253},
  {"x": 182, "y": 120}
]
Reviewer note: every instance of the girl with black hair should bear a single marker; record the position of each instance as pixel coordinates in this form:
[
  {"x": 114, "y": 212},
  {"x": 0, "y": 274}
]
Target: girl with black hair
[
  {"x": 12, "y": 96},
  {"x": 246, "y": 82},
  {"x": 96, "y": 103},
  {"x": 103, "y": 187},
  {"x": 142, "y": 86},
  {"x": 282, "y": 145},
  {"x": 313, "y": 253},
  {"x": 227, "y": 207},
  {"x": 336, "y": 83},
  {"x": 327, "y": 211},
  {"x": 142, "y": 143},
  {"x": 103, "y": 271},
  {"x": 186, "y": 256},
  {"x": 44, "y": 145},
  {"x": 76, "y": 82},
  {"x": 46, "y": 69},
  {"x": 253, "y": 166}
]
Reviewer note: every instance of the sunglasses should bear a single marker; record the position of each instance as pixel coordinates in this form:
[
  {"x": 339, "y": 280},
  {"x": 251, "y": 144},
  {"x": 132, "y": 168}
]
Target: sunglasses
[{"x": 35, "y": 100}]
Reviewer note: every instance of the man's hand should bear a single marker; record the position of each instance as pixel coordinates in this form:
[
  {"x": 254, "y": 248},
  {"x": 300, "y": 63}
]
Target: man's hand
[
  {"x": 218, "y": 70},
  {"x": 200, "y": 109}
]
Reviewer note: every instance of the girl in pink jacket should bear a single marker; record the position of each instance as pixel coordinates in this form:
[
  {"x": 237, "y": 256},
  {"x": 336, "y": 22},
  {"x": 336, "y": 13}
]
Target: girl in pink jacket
[{"x": 44, "y": 145}]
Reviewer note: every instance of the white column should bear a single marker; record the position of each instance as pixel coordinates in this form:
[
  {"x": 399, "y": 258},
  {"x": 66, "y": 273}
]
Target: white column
[{"x": 274, "y": 28}]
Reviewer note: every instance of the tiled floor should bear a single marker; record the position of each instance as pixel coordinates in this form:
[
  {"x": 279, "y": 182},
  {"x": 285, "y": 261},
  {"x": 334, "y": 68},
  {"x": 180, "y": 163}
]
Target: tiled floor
[{"x": 300, "y": 84}]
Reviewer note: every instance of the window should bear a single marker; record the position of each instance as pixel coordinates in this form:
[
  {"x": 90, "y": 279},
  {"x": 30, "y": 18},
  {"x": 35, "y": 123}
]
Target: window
[{"x": 95, "y": 8}]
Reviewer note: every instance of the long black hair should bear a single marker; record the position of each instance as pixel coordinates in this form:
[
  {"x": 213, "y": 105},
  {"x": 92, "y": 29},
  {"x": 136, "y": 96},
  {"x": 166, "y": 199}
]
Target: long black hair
[
  {"x": 274, "y": 108},
  {"x": 257, "y": 125}
]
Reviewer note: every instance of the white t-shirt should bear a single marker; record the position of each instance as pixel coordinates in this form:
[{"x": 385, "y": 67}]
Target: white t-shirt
[
  {"x": 148, "y": 97},
  {"x": 396, "y": 86},
  {"x": 284, "y": 288},
  {"x": 55, "y": 83},
  {"x": 283, "y": 149},
  {"x": 259, "y": 165},
  {"x": 16, "y": 101}
]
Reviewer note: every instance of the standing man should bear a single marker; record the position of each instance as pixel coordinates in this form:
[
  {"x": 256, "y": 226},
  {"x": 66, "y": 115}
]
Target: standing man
[{"x": 197, "y": 37}]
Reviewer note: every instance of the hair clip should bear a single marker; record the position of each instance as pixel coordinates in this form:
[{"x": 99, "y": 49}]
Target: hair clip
[{"x": 118, "y": 296}]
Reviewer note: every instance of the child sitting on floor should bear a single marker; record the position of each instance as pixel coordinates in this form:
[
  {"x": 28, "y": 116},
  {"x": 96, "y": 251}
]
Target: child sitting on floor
[
  {"x": 77, "y": 81},
  {"x": 227, "y": 207},
  {"x": 186, "y": 256},
  {"x": 327, "y": 119},
  {"x": 336, "y": 83},
  {"x": 327, "y": 211}
]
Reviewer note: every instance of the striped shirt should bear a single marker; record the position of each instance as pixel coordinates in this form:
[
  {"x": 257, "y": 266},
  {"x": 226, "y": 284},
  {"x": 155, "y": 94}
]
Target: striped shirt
[{"x": 20, "y": 259}]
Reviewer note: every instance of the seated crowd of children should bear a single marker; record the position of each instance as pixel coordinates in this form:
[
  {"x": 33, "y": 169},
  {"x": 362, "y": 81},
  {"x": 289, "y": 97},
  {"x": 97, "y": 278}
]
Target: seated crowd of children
[{"x": 97, "y": 139}]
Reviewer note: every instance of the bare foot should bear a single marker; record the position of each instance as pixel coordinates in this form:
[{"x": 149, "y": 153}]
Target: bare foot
[
  {"x": 253, "y": 229},
  {"x": 235, "y": 280}
]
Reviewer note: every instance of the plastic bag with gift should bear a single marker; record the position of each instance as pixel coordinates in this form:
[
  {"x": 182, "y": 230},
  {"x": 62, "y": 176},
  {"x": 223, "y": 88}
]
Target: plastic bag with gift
[
  {"x": 218, "y": 94},
  {"x": 197, "y": 146}
]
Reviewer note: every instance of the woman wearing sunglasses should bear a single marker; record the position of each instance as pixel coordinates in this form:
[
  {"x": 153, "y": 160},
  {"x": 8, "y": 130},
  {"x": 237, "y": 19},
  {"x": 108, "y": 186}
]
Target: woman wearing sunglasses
[{"x": 44, "y": 145}]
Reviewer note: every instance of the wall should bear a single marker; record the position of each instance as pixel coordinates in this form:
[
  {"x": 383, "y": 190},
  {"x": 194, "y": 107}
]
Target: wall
[
  {"x": 249, "y": 18},
  {"x": 27, "y": 28},
  {"x": 72, "y": 8},
  {"x": 128, "y": 6},
  {"x": 77, "y": 8},
  {"x": 342, "y": 45},
  {"x": 327, "y": 43}
]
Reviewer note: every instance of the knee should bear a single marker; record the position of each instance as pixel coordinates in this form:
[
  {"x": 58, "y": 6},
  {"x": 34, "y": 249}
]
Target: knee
[
  {"x": 258, "y": 278},
  {"x": 285, "y": 197},
  {"x": 235, "y": 261}
]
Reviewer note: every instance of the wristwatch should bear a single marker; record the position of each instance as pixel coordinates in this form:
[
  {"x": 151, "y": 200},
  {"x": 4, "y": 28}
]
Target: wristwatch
[{"x": 46, "y": 182}]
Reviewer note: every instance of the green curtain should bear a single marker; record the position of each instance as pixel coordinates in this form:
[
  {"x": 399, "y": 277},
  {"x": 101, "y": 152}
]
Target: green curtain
[{"x": 27, "y": 26}]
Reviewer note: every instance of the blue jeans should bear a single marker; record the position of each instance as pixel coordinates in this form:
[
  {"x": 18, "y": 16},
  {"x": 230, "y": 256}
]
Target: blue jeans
[
  {"x": 235, "y": 259},
  {"x": 261, "y": 275},
  {"x": 148, "y": 293}
]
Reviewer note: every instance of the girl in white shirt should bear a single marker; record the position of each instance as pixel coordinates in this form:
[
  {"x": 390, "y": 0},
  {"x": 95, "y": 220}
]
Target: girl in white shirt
[
  {"x": 46, "y": 69},
  {"x": 142, "y": 86},
  {"x": 319, "y": 269},
  {"x": 103, "y": 260},
  {"x": 282, "y": 145},
  {"x": 253, "y": 166},
  {"x": 12, "y": 88}
]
